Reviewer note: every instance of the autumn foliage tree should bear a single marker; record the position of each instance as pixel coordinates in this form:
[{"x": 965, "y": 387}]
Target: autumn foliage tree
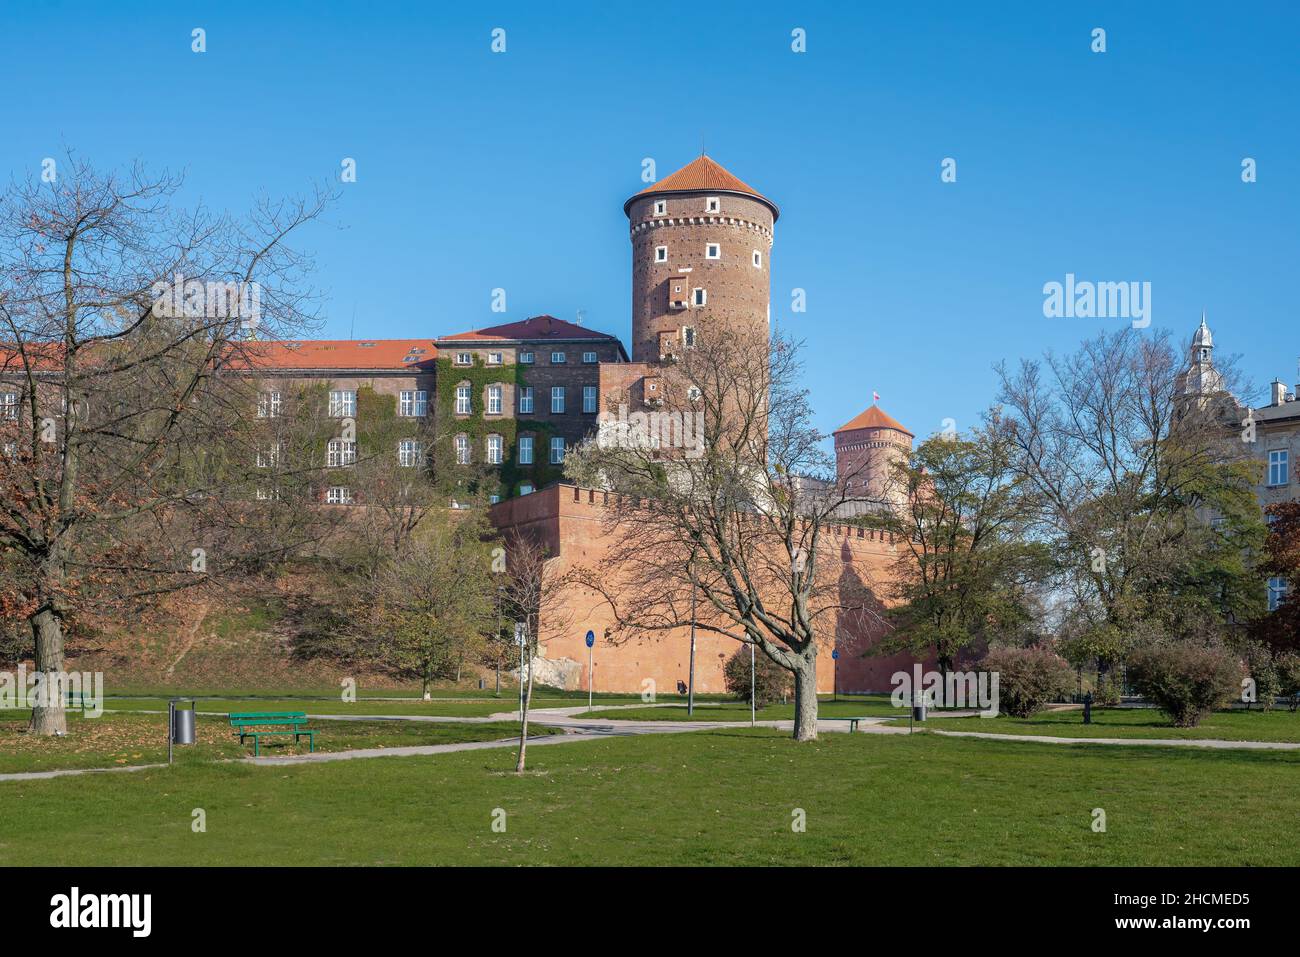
[{"x": 1280, "y": 628}]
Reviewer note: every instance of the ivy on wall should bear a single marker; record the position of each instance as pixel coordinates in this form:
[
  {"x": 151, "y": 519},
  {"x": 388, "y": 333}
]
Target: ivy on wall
[{"x": 478, "y": 425}]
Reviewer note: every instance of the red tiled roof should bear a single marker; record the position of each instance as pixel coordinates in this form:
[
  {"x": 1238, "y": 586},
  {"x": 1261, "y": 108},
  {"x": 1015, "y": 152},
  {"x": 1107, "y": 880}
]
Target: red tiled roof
[
  {"x": 537, "y": 327},
  {"x": 342, "y": 354},
  {"x": 702, "y": 175},
  {"x": 873, "y": 418}
]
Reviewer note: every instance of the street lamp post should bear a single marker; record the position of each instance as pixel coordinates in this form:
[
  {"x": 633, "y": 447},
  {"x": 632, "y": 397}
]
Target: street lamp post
[
  {"x": 690, "y": 692},
  {"x": 753, "y": 705}
]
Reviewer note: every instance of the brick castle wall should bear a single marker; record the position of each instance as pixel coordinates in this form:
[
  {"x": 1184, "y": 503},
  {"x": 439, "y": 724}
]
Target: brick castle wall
[{"x": 569, "y": 521}]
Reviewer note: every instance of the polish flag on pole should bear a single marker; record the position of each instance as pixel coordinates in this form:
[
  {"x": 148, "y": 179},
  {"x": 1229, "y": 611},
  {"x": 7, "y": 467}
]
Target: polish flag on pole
[{"x": 875, "y": 396}]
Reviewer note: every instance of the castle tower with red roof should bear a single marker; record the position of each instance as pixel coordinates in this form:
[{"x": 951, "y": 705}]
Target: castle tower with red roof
[
  {"x": 701, "y": 251},
  {"x": 866, "y": 449}
]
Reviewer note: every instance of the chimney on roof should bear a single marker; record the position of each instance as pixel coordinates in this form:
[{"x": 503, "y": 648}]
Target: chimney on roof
[{"x": 1279, "y": 392}]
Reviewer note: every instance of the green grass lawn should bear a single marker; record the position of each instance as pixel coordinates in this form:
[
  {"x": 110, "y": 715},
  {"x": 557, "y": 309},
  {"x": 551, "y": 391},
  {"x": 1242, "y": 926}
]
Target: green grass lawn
[
  {"x": 1235, "y": 725},
  {"x": 114, "y": 740},
  {"x": 732, "y": 710},
  {"x": 710, "y": 797}
]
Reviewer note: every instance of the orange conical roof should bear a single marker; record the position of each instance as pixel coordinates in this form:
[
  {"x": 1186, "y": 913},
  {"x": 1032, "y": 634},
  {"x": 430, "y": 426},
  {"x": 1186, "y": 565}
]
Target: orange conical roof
[
  {"x": 703, "y": 175},
  {"x": 873, "y": 418}
]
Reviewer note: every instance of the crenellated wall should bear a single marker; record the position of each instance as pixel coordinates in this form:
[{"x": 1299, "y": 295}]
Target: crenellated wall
[{"x": 570, "y": 521}]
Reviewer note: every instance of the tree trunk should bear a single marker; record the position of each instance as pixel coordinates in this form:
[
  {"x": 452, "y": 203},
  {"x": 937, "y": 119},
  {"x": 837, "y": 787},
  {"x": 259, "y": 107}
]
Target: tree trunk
[
  {"x": 523, "y": 715},
  {"x": 424, "y": 686},
  {"x": 805, "y": 699},
  {"x": 48, "y": 716}
]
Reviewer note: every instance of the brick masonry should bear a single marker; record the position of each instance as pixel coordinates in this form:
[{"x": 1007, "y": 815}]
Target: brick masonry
[{"x": 568, "y": 521}]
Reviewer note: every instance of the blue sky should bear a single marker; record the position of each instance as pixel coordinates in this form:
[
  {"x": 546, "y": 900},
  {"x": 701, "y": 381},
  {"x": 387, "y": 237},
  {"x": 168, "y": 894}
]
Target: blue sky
[{"x": 478, "y": 170}]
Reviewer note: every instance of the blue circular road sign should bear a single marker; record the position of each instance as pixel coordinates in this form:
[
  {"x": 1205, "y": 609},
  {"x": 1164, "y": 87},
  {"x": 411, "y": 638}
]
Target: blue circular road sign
[
  {"x": 835, "y": 653},
  {"x": 591, "y": 638}
]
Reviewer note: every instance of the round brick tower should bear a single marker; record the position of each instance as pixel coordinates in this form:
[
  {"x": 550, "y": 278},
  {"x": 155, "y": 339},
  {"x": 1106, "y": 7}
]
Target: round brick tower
[
  {"x": 866, "y": 449},
  {"x": 701, "y": 251}
]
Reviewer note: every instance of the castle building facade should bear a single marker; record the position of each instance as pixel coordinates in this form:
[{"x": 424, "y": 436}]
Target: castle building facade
[{"x": 1271, "y": 433}]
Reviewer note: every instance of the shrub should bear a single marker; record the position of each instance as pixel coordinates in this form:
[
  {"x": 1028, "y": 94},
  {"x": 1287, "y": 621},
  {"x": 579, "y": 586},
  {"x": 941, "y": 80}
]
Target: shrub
[
  {"x": 1263, "y": 671},
  {"x": 1109, "y": 691},
  {"x": 1187, "y": 682},
  {"x": 771, "y": 681},
  {"x": 1028, "y": 678},
  {"x": 1288, "y": 677}
]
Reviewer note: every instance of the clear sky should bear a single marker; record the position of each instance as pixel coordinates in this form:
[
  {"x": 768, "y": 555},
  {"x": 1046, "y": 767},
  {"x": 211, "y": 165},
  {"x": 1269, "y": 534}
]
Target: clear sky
[{"x": 478, "y": 170}]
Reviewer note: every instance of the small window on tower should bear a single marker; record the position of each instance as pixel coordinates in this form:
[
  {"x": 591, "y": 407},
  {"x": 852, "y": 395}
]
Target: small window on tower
[
  {"x": 712, "y": 204},
  {"x": 661, "y": 207},
  {"x": 698, "y": 296},
  {"x": 688, "y": 337},
  {"x": 758, "y": 259},
  {"x": 712, "y": 251},
  {"x": 661, "y": 254}
]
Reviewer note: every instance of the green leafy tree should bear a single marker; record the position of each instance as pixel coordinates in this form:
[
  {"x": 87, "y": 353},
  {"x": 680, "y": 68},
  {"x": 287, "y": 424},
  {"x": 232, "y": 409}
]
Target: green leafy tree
[
  {"x": 433, "y": 601},
  {"x": 967, "y": 569}
]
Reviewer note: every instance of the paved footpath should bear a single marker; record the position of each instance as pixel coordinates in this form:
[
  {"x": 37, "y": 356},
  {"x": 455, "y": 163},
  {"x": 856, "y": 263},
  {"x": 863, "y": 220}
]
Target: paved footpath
[
  {"x": 1149, "y": 742},
  {"x": 593, "y": 729}
]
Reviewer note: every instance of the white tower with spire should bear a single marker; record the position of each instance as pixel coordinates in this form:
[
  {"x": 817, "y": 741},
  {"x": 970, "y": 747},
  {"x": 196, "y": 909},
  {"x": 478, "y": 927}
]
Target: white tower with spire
[{"x": 1200, "y": 377}]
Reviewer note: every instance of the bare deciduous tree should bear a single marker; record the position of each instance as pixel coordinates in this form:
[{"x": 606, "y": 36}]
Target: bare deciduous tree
[
  {"x": 1125, "y": 474},
  {"x": 128, "y": 464},
  {"x": 730, "y": 530},
  {"x": 534, "y": 587}
]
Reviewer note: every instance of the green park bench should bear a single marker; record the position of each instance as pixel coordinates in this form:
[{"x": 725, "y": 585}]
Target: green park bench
[
  {"x": 271, "y": 722},
  {"x": 853, "y": 722}
]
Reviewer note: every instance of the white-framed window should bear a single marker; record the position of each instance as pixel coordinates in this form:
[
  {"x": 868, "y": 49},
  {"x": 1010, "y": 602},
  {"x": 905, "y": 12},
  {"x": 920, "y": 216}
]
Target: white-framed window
[
  {"x": 559, "y": 358},
  {"x": 526, "y": 400},
  {"x": 588, "y": 398},
  {"x": 527, "y": 358},
  {"x": 698, "y": 296},
  {"x": 557, "y": 399},
  {"x": 526, "y": 488},
  {"x": 493, "y": 499},
  {"x": 268, "y": 405},
  {"x": 343, "y": 404},
  {"x": 408, "y": 453},
  {"x": 10, "y": 450},
  {"x": 413, "y": 403},
  {"x": 462, "y": 449},
  {"x": 712, "y": 204},
  {"x": 340, "y": 453},
  {"x": 557, "y": 449},
  {"x": 494, "y": 447},
  {"x": 268, "y": 457},
  {"x": 464, "y": 359},
  {"x": 462, "y": 400},
  {"x": 268, "y": 494},
  {"x": 758, "y": 259},
  {"x": 339, "y": 495},
  {"x": 494, "y": 400},
  {"x": 688, "y": 337},
  {"x": 693, "y": 393},
  {"x": 712, "y": 250},
  {"x": 661, "y": 207},
  {"x": 494, "y": 359},
  {"x": 589, "y": 358},
  {"x": 1279, "y": 467},
  {"x": 525, "y": 450},
  {"x": 1276, "y": 592},
  {"x": 661, "y": 254}
]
